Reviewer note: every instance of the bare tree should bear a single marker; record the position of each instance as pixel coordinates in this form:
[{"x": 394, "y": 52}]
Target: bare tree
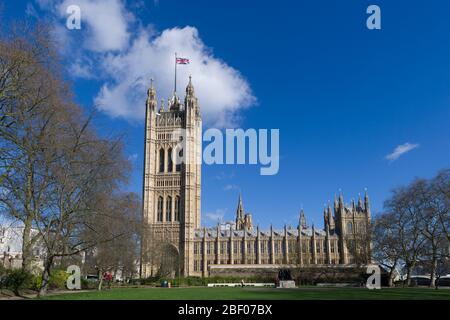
[
  {"x": 386, "y": 248},
  {"x": 31, "y": 94},
  {"x": 434, "y": 224},
  {"x": 118, "y": 218},
  {"x": 441, "y": 193},
  {"x": 53, "y": 166},
  {"x": 406, "y": 206}
]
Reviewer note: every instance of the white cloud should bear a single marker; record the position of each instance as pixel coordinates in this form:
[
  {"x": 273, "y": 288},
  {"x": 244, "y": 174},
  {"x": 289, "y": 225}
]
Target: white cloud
[
  {"x": 125, "y": 55},
  {"x": 82, "y": 69},
  {"x": 30, "y": 10},
  {"x": 106, "y": 22},
  {"x": 133, "y": 157},
  {"x": 216, "y": 216},
  {"x": 400, "y": 150},
  {"x": 230, "y": 187},
  {"x": 221, "y": 89},
  {"x": 225, "y": 176}
]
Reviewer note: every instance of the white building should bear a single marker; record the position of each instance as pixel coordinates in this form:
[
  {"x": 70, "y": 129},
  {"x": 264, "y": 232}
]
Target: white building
[{"x": 11, "y": 247}]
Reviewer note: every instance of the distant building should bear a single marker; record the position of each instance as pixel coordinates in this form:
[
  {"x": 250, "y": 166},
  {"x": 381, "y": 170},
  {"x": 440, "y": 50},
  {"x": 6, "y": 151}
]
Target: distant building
[
  {"x": 171, "y": 210},
  {"x": 11, "y": 248}
]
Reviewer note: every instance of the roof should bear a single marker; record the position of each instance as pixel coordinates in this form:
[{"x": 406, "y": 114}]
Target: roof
[{"x": 224, "y": 233}]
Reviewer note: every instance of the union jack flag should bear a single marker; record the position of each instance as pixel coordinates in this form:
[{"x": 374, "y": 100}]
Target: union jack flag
[{"x": 182, "y": 61}]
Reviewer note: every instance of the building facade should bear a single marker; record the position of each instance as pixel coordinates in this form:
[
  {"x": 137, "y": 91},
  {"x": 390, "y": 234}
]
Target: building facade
[
  {"x": 173, "y": 238},
  {"x": 11, "y": 248}
]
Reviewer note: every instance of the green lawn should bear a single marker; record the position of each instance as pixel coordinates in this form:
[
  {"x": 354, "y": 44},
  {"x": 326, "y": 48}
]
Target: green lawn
[{"x": 203, "y": 293}]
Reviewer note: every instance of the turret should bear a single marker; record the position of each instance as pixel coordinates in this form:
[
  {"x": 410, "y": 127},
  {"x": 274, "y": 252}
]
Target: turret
[
  {"x": 248, "y": 223},
  {"x": 360, "y": 204},
  {"x": 330, "y": 217},
  {"x": 151, "y": 97},
  {"x": 367, "y": 204},
  {"x": 302, "y": 220},
  {"x": 190, "y": 88},
  {"x": 190, "y": 99},
  {"x": 240, "y": 216},
  {"x": 161, "y": 106}
]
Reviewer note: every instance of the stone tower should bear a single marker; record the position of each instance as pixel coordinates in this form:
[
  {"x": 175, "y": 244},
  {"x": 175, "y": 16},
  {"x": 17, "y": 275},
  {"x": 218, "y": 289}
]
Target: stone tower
[
  {"x": 350, "y": 223},
  {"x": 171, "y": 182},
  {"x": 244, "y": 220}
]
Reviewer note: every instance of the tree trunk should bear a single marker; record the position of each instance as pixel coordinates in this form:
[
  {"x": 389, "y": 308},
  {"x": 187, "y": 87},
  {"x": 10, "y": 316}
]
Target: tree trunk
[
  {"x": 26, "y": 245},
  {"x": 45, "y": 276},
  {"x": 391, "y": 278},
  {"x": 408, "y": 275},
  {"x": 100, "y": 280},
  {"x": 433, "y": 272}
]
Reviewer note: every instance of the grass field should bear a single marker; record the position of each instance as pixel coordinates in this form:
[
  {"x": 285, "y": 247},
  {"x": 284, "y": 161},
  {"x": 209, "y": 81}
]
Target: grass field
[{"x": 306, "y": 293}]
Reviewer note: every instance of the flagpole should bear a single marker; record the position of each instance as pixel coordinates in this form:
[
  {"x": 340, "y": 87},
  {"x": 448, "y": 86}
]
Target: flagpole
[{"x": 175, "y": 86}]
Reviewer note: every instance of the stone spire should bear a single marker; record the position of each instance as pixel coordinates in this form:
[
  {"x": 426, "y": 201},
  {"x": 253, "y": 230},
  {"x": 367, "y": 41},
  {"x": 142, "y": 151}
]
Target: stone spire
[
  {"x": 240, "y": 215},
  {"x": 325, "y": 217},
  {"x": 161, "y": 106},
  {"x": 190, "y": 88},
  {"x": 367, "y": 203},
  {"x": 151, "y": 93},
  {"x": 302, "y": 219},
  {"x": 341, "y": 199},
  {"x": 360, "y": 204},
  {"x": 151, "y": 96},
  {"x": 366, "y": 200},
  {"x": 330, "y": 217}
]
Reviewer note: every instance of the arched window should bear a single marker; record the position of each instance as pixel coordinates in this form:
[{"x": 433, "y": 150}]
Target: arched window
[
  {"x": 349, "y": 227},
  {"x": 179, "y": 157},
  {"x": 177, "y": 208},
  {"x": 169, "y": 209},
  {"x": 161, "y": 160},
  {"x": 160, "y": 209},
  {"x": 169, "y": 160}
]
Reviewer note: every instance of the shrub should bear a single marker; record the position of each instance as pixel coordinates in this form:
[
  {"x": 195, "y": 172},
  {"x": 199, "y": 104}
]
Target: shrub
[
  {"x": 58, "y": 280},
  {"x": 88, "y": 284},
  {"x": 3, "y": 274},
  {"x": 16, "y": 280}
]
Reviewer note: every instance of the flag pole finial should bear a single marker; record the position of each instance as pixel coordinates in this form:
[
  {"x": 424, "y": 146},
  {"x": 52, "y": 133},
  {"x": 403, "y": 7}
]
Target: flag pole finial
[{"x": 175, "y": 84}]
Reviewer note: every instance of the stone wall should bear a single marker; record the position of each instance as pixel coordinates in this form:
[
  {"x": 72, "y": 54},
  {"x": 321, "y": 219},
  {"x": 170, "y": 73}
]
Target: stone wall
[{"x": 301, "y": 275}]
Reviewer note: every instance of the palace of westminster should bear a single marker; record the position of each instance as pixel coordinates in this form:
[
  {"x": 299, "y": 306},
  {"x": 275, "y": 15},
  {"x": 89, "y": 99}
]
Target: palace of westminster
[{"x": 171, "y": 209}]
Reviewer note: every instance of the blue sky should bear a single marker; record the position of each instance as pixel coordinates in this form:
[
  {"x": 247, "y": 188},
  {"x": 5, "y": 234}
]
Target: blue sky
[{"x": 344, "y": 97}]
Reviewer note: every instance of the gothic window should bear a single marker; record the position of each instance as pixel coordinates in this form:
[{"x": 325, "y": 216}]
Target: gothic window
[
  {"x": 180, "y": 156},
  {"x": 177, "y": 208},
  {"x": 195, "y": 248},
  {"x": 169, "y": 160},
  {"x": 349, "y": 227},
  {"x": 169, "y": 209},
  {"x": 196, "y": 265},
  {"x": 160, "y": 209},
  {"x": 161, "y": 160}
]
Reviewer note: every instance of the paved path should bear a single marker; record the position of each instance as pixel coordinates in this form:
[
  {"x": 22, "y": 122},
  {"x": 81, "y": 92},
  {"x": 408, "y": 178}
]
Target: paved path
[{"x": 10, "y": 296}]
